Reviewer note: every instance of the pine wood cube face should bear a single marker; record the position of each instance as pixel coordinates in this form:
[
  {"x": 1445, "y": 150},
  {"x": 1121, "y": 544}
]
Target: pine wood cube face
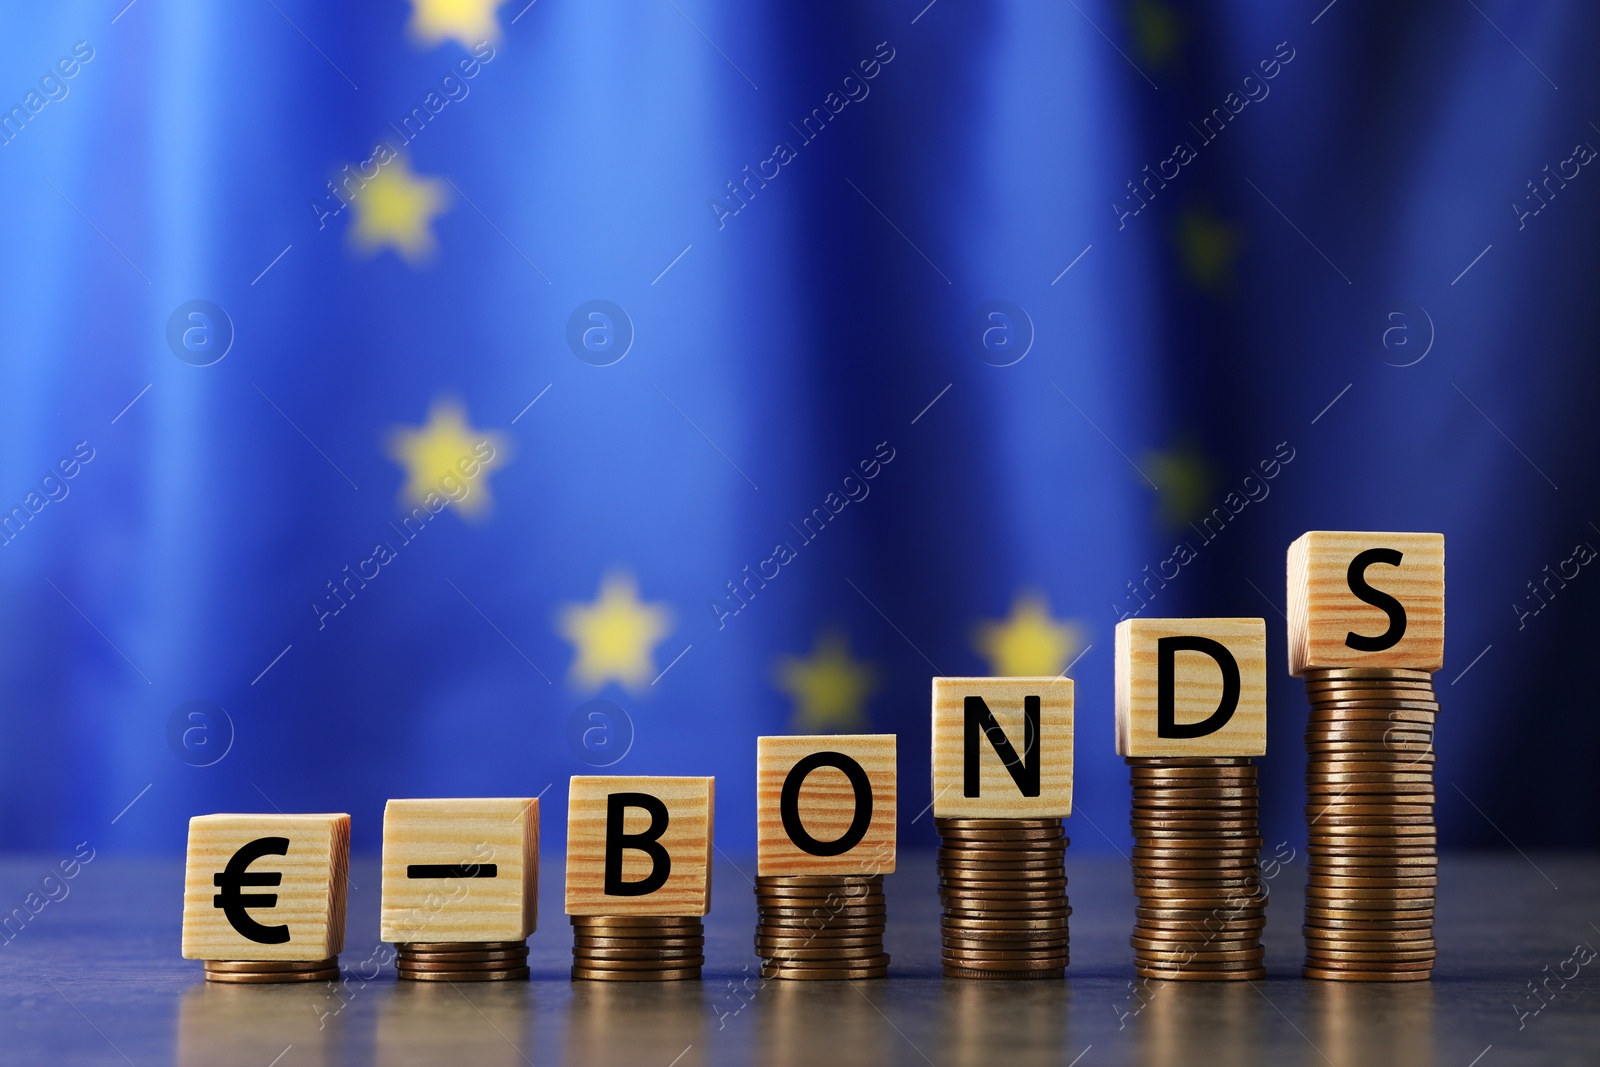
[
  {"x": 1002, "y": 748},
  {"x": 1191, "y": 687},
  {"x": 460, "y": 870},
  {"x": 266, "y": 887},
  {"x": 825, "y": 804},
  {"x": 1366, "y": 600},
  {"x": 639, "y": 845}
]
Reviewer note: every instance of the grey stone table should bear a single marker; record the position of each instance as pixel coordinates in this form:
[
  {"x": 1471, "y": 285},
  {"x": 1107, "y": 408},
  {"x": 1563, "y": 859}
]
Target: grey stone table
[{"x": 94, "y": 977}]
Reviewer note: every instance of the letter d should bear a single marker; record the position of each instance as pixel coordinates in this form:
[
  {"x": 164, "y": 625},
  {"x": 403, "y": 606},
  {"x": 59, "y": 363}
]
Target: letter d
[{"x": 1167, "y": 724}]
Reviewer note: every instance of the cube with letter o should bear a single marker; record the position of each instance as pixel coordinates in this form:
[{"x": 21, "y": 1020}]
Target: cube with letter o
[{"x": 825, "y": 804}]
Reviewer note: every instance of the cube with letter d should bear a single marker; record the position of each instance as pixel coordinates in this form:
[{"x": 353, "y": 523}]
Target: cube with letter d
[
  {"x": 1191, "y": 687},
  {"x": 266, "y": 887},
  {"x": 639, "y": 845},
  {"x": 1366, "y": 600},
  {"x": 826, "y": 804},
  {"x": 1002, "y": 748}
]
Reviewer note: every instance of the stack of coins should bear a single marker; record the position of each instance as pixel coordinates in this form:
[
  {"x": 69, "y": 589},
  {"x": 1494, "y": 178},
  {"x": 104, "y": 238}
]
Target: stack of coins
[
  {"x": 1196, "y": 868},
  {"x": 820, "y": 926},
  {"x": 262, "y": 972},
  {"x": 462, "y": 961},
  {"x": 1003, "y": 883},
  {"x": 1369, "y": 813},
  {"x": 637, "y": 948}
]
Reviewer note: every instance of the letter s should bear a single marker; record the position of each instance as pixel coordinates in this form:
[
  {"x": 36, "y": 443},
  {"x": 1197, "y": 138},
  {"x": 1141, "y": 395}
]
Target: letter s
[{"x": 1378, "y": 599}]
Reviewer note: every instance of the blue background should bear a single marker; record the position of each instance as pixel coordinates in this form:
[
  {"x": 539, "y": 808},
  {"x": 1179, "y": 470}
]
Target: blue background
[{"x": 1350, "y": 272}]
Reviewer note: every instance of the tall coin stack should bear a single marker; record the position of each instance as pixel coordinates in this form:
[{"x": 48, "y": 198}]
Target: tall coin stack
[
  {"x": 1374, "y": 865},
  {"x": 637, "y": 948},
  {"x": 1196, "y": 868},
  {"x": 263, "y": 972},
  {"x": 462, "y": 961},
  {"x": 821, "y": 926},
  {"x": 1003, "y": 884}
]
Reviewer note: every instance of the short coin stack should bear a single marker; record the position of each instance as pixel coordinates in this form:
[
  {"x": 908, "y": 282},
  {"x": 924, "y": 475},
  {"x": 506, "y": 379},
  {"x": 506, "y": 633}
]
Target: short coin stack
[
  {"x": 1003, "y": 884},
  {"x": 462, "y": 961},
  {"x": 820, "y": 926},
  {"x": 265, "y": 972},
  {"x": 1196, "y": 868},
  {"x": 637, "y": 948},
  {"x": 1374, "y": 867}
]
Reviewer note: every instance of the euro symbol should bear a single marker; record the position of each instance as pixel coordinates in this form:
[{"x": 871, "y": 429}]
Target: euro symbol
[{"x": 234, "y": 904}]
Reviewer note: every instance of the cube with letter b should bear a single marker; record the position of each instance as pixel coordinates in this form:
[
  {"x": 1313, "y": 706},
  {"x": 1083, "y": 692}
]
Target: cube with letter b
[
  {"x": 1366, "y": 600},
  {"x": 1191, "y": 687},
  {"x": 460, "y": 870},
  {"x": 825, "y": 805},
  {"x": 1002, "y": 748},
  {"x": 266, "y": 887},
  {"x": 639, "y": 845}
]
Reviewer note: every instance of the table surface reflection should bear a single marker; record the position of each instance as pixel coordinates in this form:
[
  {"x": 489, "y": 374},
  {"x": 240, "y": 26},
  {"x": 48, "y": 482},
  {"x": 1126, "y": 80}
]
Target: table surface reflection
[{"x": 95, "y": 977}]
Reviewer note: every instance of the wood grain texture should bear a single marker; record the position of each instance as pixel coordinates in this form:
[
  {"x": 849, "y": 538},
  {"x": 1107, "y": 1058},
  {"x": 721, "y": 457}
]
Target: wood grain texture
[
  {"x": 998, "y": 795},
  {"x": 311, "y": 894},
  {"x": 689, "y": 804},
  {"x": 1323, "y": 611},
  {"x": 826, "y": 804},
  {"x": 471, "y": 833},
  {"x": 1197, "y": 687}
]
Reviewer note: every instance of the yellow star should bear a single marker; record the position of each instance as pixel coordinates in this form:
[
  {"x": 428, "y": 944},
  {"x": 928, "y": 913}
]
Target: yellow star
[
  {"x": 830, "y": 689},
  {"x": 1208, "y": 247},
  {"x": 396, "y": 209},
  {"x": 447, "y": 461},
  {"x": 467, "y": 21},
  {"x": 616, "y": 635},
  {"x": 1029, "y": 644},
  {"x": 1157, "y": 31},
  {"x": 1185, "y": 480}
]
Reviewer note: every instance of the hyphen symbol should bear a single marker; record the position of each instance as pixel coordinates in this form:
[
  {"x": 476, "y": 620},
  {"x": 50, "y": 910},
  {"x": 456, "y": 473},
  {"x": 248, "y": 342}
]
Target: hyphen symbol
[
  {"x": 452, "y": 870},
  {"x": 235, "y": 904}
]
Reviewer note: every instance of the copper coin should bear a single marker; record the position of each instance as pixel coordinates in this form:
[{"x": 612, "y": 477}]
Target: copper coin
[
  {"x": 848, "y": 895},
  {"x": 816, "y": 880},
  {"x": 1321, "y": 674},
  {"x": 271, "y": 966},
  {"x": 269, "y": 977},
  {"x": 1158, "y": 945},
  {"x": 1183, "y": 867},
  {"x": 1424, "y": 922},
  {"x": 1160, "y": 852},
  {"x": 463, "y": 957},
  {"x": 1187, "y": 958},
  {"x": 516, "y": 974},
  {"x": 407, "y": 970},
  {"x": 880, "y": 960},
  {"x": 851, "y": 912},
  {"x": 961, "y": 823},
  {"x": 639, "y": 942},
  {"x": 655, "y": 955},
  {"x": 1354, "y": 938},
  {"x": 674, "y": 974},
  {"x": 1052, "y": 923},
  {"x": 1244, "y": 974},
  {"x": 636, "y": 920},
  {"x": 1366, "y": 976},
  {"x": 594, "y": 964}
]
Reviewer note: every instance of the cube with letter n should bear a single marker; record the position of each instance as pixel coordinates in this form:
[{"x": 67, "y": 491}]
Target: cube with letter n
[
  {"x": 825, "y": 805},
  {"x": 639, "y": 845},
  {"x": 1002, "y": 748},
  {"x": 1191, "y": 687}
]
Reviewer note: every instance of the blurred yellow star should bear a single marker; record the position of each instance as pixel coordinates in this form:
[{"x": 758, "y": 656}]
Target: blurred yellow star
[
  {"x": 830, "y": 689},
  {"x": 467, "y": 21},
  {"x": 396, "y": 210},
  {"x": 1208, "y": 246},
  {"x": 446, "y": 460},
  {"x": 616, "y": 635},
  {"x": 1157, "y": 31},
  {"x": 1030, "y": 643},
  {"x": 1185, "y": 480}
]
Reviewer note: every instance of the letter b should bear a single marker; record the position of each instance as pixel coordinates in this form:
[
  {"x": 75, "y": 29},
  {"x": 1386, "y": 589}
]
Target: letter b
[{"x": 648, "y": 841}]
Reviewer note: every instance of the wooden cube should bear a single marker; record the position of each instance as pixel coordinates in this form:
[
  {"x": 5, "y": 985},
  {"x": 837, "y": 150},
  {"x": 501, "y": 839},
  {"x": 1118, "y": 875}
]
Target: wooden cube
[
  {"x": 266, "y": 887},
  {"x": 987, "y": 761},
  {"x": 1191, "y": 687},
  {"x": 825, "y": 805},
  {"x": 657, "y": 860},
  {"x": 1366, "y": 600},
  {"x": 460, "y": 870}
]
